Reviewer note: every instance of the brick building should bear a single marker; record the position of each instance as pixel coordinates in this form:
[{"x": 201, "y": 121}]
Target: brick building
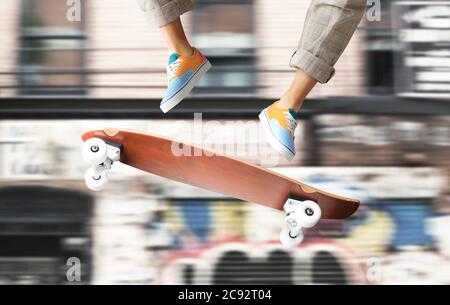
[{"x": 115, "y": 52}]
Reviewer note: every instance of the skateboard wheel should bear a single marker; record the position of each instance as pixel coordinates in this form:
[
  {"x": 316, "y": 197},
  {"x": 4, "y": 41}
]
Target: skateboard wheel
[
  {"x": 94, "y": 151},
  {"x": 289, "y": 241},
  {"x": 308, "y": 214},
  {"x": 95, "y": 178}
]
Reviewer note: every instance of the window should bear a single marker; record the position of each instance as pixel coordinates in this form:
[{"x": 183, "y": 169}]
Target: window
[
  {"x": 224, "y": 30},
  {"x": 423, "y": 65},
  {"x": 380, "y": 52},
  {"x": 51, "y": 55}
]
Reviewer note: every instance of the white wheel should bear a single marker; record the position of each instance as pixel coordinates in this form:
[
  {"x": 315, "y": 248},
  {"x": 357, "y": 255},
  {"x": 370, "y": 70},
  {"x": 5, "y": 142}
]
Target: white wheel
[
  {"x": 95, "y": 178},
  {"x": 308, "y": 214},
  {"x": 288, "y": 240},
  {"x": 94, "y": 151}
]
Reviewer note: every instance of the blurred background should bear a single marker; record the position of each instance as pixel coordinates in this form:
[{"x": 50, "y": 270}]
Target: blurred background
[{"x": 379, "y": 131}]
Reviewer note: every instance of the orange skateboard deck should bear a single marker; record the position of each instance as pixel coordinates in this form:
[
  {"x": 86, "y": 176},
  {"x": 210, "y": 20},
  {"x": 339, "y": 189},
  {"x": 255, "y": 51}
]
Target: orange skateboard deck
[{"x": 218, "y": 173}]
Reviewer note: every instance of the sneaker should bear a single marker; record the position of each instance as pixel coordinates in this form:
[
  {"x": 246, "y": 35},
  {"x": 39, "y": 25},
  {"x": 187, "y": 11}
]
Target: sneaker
[
  {"x": 279, "y": 128},
  {"x": 183, "y": 73}
]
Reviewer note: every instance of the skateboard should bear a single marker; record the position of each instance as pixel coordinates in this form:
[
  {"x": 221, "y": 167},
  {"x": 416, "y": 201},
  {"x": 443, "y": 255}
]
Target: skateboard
[{"x": 304, "y": 205}]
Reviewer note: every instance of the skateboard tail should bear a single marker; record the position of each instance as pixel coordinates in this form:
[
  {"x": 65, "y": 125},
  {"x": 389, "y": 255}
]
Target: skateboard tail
[{"x": 336, "y": 209}]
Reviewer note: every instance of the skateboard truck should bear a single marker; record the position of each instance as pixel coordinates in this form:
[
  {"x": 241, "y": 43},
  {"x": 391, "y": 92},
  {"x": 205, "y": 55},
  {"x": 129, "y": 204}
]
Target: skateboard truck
[
  {"x": 100, "y": 155},
  {"x": 299, "y": 215}
]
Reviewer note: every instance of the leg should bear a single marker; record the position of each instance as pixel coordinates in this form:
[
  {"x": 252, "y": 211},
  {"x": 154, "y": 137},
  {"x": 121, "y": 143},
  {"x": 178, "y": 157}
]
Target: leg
[
  {"x": 329, "y": 25},
  {"x": 328, "y": 28},
  {"x": 165, "y": 14},
  {"x": 186, "y": 65},
  {"x": 302, "y": 84},
  {"x": 176, "y": 38}
]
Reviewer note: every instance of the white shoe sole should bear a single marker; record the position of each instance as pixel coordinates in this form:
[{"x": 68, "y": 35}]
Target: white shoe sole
[
  {"x": 177, "y": 98},
  {"x": 273, "y": 141}
]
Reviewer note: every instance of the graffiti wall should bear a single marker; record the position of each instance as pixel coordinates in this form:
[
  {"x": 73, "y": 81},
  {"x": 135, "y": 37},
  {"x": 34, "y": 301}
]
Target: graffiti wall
[{"x": 146, "y": 229}]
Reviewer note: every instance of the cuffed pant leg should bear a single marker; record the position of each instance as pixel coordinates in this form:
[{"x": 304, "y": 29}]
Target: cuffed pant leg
[
  {"x": 328, "y": 28},
  {"x": 162, "y": 12}
]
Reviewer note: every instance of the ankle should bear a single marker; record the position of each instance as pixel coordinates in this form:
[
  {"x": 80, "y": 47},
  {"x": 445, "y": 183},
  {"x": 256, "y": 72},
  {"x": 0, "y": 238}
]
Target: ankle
[
  {"x": 185, "y": 50},
  {"x": 287, "y": 102}
]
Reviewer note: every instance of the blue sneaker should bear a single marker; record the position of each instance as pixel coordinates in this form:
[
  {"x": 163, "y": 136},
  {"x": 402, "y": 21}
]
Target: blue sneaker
[
  {"x": 279, "y": 128},
  {"x": 183, "y": 73}
]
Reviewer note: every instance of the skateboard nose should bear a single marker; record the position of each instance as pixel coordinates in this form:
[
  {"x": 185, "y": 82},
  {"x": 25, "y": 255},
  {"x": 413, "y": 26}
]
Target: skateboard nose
[{"x": 87, "y": 135}]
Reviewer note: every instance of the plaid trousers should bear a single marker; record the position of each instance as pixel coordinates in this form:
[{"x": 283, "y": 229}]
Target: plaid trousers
[{"x": 328, "y": 28}]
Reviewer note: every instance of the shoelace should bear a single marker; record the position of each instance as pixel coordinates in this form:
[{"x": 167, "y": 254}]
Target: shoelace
[
  {"x": 173, "y": 68},
  {"x": 291, "y": 123}
]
